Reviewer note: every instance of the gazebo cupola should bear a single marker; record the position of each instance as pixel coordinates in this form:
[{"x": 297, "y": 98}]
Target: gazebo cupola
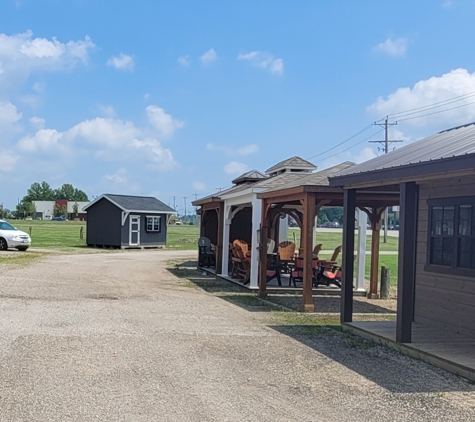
[
  {"x": 291, "y": 165},
  {"x": 252, "y": 176}
]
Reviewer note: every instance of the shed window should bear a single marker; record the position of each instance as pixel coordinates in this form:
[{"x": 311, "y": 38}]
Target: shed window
[
  {"x": 452, "y": 233},
  {"x": 153, "y": 224}
]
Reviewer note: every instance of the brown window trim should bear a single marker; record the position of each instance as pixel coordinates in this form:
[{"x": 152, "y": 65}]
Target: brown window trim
[{"x": 453, "y": 269}]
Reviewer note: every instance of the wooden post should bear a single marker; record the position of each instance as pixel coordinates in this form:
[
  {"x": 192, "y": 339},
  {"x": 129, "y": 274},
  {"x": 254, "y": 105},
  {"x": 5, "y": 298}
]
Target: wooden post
[
  {"x": 306, "y": 242},
  {"x": 263, "y": 250},
  {"x": 385, "y": 282},
  {"x": 406, "y": 261},
  {"x": 348, "y": 262},
  {"x": 376, "y": 233}
]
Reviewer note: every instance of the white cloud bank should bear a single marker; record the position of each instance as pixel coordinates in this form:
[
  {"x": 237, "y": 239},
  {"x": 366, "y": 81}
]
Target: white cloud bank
[
  {"x": 456, "y": 83},
  {"x": 209, "y": 57},
  {"x": 122, "y": 62},
  {"x": 108, "y": 139},
  {"x": 264, "y": 60},
  {"x": 395, "y": 48}
]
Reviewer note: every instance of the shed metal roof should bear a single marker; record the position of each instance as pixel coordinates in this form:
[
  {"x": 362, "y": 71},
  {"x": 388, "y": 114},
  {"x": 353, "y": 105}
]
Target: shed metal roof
[
  {"x": 136, "y": 203},
  {"x": 458, "y": 142}
]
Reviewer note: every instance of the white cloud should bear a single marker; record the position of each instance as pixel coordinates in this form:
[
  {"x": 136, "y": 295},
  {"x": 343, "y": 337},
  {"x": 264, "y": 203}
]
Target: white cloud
[
  {"x": 162, "y": 121},
  {"x": 264, "y": 60},
  {"x": 120, "y": 177},
  {"x": 396, "y": 48},
  {"x": 235, "y": 168},
  {"x": 122, "y": 62},
  {"x": 106, "y": 110},
  {"x": 21, "y": 55},
  {"x": 37, "y": 122},
  {"x": 447, "y": 4},
  {"x": 8, "y": 160},
  {"x": 184, "y": 61},
  {"x": 232, "y": 151},
  {"x": 361, "y": 156},
  {"x": 9, "y": 115},
  {"x": 39, "y": 87},
  {"x": 455, "y": 83},
  {"x": 209, "y": 56},
  {"x": 199, "y": 186}
]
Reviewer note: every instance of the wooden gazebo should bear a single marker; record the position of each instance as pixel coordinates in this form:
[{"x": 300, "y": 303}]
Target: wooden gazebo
[{"x": 302, "y": 200}]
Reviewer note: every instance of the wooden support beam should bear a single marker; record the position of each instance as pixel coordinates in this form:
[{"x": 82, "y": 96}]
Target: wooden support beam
[
  {"x": 375, "y": 219},
  {"x": 406, "y": 261},
  {"x": 306, "y": 242},
  {"x": 348, "y": 262},
  {"x": 263, "y": 249}
]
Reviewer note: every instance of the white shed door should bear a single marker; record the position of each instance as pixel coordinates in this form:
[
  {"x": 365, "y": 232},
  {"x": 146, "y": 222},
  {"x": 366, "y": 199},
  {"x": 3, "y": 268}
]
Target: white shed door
[{"x": 134, "y": 239}]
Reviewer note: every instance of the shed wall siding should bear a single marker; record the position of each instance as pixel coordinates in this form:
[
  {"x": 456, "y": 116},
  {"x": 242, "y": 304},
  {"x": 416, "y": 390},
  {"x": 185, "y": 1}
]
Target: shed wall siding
[
  {"x": 103, "y": 224},
  {"x": 446, "y": 301},
  {"x": 146, "y": 238}
]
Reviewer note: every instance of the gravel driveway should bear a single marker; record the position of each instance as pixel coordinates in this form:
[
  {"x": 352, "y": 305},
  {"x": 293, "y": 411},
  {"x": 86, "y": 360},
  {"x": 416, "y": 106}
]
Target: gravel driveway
[{"x": 117, "y": 337}]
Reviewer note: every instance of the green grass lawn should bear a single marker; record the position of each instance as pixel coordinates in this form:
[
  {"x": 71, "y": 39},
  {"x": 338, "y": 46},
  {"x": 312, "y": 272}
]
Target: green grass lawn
[
  {"x": 53, "y": 234},
  {"x": 64, "y": 235}
]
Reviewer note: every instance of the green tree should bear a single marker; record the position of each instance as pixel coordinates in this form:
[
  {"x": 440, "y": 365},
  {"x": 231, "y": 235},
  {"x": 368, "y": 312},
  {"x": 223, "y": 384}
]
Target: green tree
[
  {"x": 60, "y": 210},
  {"x": 25, "y": 209},
  {"x": 67, "y": 191},
  {"x": 39, "y": 192},
  {"x": 76, "y": 210}
]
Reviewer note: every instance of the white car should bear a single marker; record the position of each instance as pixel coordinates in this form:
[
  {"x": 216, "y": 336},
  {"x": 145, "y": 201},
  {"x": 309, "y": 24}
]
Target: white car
[{"x": 10, "y": 237}]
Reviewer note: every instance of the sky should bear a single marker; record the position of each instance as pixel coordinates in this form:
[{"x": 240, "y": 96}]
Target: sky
[{"x": 176, "y": 99}]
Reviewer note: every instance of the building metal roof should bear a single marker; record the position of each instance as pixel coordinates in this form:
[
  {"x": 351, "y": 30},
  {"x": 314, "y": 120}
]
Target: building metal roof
[
  {"x": 433, "y": 154},
  {"x": 135, "y": 203},
  {"x": 293, "y": 163}
]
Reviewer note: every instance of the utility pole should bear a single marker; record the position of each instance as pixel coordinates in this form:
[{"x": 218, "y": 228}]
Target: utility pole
[
  {"x": 386, "y": 143},
  {"x": 220, "y": 189},
  {"x": 174, "y": 203},
  {"x": 185, "y": 198}
]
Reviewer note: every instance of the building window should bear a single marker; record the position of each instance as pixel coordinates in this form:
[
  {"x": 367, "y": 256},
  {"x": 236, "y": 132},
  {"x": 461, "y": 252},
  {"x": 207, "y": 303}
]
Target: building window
[
  {"x": 452, "y": 233},
  {"x": 153, "y": 224}
]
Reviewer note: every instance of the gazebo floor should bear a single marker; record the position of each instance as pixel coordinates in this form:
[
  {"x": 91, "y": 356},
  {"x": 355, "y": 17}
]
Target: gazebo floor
[
  {"x": 442, "y": 348},
  {"x": 273, "y": 286}
]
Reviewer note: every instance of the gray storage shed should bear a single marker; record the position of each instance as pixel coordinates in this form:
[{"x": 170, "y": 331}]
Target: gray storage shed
[{"x": 123, "y": 221}]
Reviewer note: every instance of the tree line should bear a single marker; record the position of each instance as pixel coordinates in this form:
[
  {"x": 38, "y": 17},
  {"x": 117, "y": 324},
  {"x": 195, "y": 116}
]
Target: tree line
[{"x": 44, "y": 192}]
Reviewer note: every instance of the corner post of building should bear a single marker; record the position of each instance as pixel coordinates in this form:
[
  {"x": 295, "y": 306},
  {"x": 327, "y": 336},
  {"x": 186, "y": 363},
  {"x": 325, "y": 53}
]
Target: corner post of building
[
  {"x": 219, "y": 247},
  {"x": 349, "y": 207},
  {"x": 376, "y": 215},
  {"x": 307, "y": 245},
  {"x": 263, "y": 248},
  {"x": 226, "y": 233},
  {"x": 255, "y": 242},
  {"x": 362, "y": 219},
  {"x": 406, "y": 261}
]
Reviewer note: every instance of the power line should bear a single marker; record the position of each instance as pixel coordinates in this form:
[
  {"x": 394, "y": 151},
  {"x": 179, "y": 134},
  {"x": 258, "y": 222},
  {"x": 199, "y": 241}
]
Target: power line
[
  {"x": 352, "y": 146},
  {"x": 436, "y": 112},
  {"x": 341, "y": 143},
  {"x": 434, "y": 105}
]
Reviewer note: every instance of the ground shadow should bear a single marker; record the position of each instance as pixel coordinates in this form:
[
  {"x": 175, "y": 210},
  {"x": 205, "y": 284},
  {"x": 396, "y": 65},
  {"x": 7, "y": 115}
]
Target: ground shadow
[
  {"x": 328, "y": 304},
  {"x": 389, "y": 369}
]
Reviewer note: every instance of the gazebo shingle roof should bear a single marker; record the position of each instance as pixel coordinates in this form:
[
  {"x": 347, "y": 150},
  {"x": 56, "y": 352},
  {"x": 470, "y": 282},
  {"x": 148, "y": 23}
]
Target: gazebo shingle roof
[{"x": 296, "y": 163}]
